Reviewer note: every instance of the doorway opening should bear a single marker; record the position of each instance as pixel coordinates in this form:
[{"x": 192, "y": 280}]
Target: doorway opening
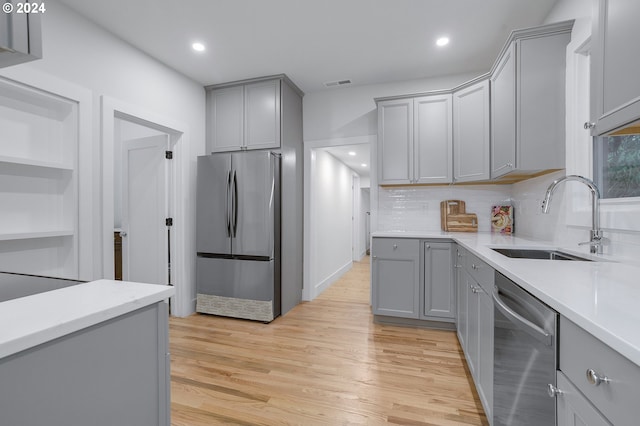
[
  {"x": 147, "y": 138},
  {"x": 336, "y": 172}
]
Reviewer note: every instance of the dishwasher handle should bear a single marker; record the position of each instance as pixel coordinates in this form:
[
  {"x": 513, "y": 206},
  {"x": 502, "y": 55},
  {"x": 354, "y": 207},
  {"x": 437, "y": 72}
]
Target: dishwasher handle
[{"x": 522, "y": 323}]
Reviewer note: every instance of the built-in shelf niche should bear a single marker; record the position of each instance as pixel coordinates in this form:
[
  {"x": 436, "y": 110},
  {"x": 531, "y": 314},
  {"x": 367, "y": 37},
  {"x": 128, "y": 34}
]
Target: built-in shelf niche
[{"x": 38, "y": 182}]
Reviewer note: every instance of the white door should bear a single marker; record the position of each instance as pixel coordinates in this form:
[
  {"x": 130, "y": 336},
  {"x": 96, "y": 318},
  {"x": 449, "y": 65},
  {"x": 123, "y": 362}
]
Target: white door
[{"x": 145, "y": 209}]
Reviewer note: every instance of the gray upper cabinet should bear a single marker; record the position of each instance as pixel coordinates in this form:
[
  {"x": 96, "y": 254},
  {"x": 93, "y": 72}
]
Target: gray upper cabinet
[
  {"x": 439, "y": 286},
  {"x": 615, "y": 100},
  {"x": 415, "y": 141},
  {"x": 244, "y": 116},
  {"x": 226, "y": 118},
  {"x": 262, "y": 115},
  {"x": 471, "y": 136},
  {"x": 433, "y": 139},
  {"x": 395, "y": 141},
  {"x": 528, "y": 102},
  {"x": 20, "y": 35}
]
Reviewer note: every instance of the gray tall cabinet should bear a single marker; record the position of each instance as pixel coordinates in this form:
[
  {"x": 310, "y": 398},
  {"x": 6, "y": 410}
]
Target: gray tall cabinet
[{"x": 266, "y": 113}]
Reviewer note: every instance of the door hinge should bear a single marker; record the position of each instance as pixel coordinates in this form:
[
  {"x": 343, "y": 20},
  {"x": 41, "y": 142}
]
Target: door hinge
[
  {"x": 168, "y": 155},
  {"x": 169, "y": 221}
]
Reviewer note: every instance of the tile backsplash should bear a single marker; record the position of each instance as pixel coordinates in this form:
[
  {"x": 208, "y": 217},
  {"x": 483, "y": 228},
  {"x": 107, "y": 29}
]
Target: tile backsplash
[{"x": 417, "y": 208}]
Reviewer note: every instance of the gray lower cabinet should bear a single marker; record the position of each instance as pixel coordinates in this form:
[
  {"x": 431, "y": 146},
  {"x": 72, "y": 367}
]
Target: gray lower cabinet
[
  {"x": 573, "y": 409},
  {"x": 615, "y": 100},
  {"x": 462, "y": 302},
  {"x": 438, "y": 301},
  {"x": 475, "y": 322},
  {"x": 113, "y": 373},
  {"x": 527, "y": 102},
  {"x": 395, "y": 273},
  {"x": 598, "y": 380}
]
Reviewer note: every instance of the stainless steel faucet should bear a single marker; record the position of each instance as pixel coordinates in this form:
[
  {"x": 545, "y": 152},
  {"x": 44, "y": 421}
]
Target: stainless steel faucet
[{"x": 595, "y": 243}]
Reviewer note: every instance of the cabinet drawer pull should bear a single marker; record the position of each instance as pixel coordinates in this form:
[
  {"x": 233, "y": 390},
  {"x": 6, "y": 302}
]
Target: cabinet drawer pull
[{"x": 595, "y": 379}]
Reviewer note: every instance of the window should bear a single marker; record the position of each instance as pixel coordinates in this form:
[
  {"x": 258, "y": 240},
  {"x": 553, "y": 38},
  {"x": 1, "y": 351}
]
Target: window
[{"x": 617, "y": 165}]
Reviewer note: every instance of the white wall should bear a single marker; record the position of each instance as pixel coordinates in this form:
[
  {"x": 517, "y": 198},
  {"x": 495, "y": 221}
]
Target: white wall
[
  {"x": 77, "y": 51},
  {"x": 331, "y": 211}
]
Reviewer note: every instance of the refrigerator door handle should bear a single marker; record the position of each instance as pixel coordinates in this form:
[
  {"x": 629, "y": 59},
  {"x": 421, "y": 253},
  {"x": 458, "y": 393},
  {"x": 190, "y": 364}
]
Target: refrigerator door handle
[
  {"x": 234, "y": 215},
  {"x": 229, "y": 201}
]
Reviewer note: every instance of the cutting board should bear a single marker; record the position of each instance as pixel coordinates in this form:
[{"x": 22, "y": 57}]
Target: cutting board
[
  {"x": 462, "y": 222},
  {"x": 449, "y": 207},
  {"x": 454, "y": 217}
]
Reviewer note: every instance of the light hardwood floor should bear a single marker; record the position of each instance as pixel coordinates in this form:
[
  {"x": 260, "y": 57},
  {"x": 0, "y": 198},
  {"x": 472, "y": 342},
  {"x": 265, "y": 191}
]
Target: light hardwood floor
[{"x": 324, "y": 363}]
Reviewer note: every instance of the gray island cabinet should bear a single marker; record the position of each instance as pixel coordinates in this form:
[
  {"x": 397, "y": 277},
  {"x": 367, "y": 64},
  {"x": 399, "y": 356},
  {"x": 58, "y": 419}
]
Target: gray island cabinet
[{"x": 91, "y": 354}]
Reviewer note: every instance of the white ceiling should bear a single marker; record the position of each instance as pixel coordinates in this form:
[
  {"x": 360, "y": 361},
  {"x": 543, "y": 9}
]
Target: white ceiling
[
  {"x": 313, "y": 42},
  {"x": 356, "y": 157},
  {"x": 367, "y": 41}
]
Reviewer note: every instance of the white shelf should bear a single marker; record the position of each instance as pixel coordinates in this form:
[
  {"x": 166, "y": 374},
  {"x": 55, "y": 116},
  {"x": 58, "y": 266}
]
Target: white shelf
[
  {"x": 40, "y": 234},
  {"x": 38, "y": 181},
  {"x": 34, "y": 163}
]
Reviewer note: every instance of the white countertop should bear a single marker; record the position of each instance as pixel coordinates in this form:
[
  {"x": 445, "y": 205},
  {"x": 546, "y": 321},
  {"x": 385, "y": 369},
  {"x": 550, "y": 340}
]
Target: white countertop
[
  {"x": 33, "y": 320},
  {"x": 602, "y": 297}
]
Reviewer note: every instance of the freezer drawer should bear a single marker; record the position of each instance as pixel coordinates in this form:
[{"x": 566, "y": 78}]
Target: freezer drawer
[{"x": 237, "y": 288}]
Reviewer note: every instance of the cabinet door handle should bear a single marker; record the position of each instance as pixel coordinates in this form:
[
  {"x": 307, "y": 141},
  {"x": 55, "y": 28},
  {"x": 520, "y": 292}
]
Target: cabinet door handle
[
  {"x": 553, "y": 391},
  {"x": 395, "y": 246},
  {"x": 595, "y": 379},
  {"x": 427, "y": 246}
]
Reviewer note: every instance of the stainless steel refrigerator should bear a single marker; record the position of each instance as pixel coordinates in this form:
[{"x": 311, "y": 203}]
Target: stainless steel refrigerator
[{"x": 238, "y": 235}]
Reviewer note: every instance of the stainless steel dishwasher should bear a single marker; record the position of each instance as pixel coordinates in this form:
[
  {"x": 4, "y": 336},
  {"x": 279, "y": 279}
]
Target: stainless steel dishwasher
[{"x": 525, "y": 357}]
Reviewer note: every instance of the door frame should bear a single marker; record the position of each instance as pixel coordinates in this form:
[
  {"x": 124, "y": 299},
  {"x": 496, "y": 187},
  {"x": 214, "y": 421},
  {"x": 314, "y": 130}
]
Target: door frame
[
  {"x": 110, "y": 110},
  {"x": 310, "y": 218}
]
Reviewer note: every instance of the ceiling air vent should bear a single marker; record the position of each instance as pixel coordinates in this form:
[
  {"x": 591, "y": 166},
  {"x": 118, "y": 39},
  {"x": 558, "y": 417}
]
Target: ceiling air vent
[{"x": 337, "y": 83}]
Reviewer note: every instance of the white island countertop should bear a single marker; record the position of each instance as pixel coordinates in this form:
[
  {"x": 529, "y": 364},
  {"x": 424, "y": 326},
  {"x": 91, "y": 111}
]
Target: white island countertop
[
  {"x": 602, "y": 297},
  {"x": 33, "y": 320}
]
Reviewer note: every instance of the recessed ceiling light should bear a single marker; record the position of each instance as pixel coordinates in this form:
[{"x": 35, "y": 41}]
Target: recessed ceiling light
[
  {"x": 363, "y": 165},
  {"x": 198, "y": 47},
  {"x": 442, "y": 41},
  {"x": 352, "y": 153}
]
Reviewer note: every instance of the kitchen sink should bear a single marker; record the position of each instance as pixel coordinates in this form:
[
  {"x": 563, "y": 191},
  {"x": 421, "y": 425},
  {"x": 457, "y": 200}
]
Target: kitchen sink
[{"x": 548, "y": 254}]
